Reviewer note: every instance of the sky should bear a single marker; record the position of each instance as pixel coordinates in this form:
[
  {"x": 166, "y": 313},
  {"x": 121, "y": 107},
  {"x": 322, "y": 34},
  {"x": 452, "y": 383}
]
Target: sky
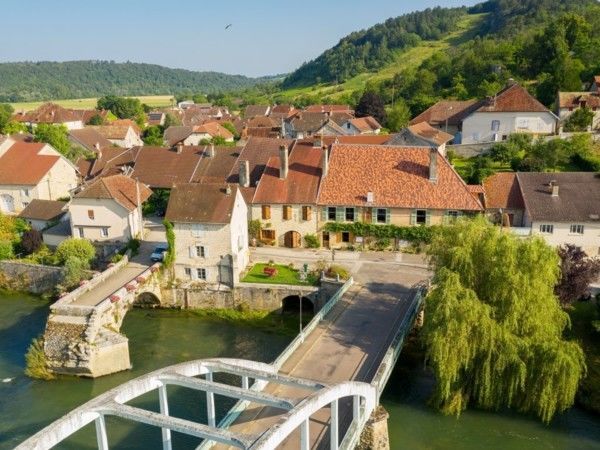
[{"x": 266, "y": 37}]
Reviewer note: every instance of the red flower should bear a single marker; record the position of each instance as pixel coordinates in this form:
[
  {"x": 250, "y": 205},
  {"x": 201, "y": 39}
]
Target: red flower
[
  {"x": 114, "y": 298},
  {"x": 140, "y": 279},
  {"x": 130, "y": 287}
]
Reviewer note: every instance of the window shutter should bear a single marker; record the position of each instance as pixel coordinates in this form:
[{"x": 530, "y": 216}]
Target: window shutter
[
  {"x": 339, "y": 214},
  {"x": 427, "y": 218},
  {"x": 413, "y": 217},
  {"x": 324, "y": 210},
  {"x": 194, "y": 274},
  {"x": 387, "y": 215},
  {"x": 266, "y": 212},
  {"x": 306, "y": 213},
  {"x": 205, "y": 252},
  {"x": 193, "y": 251},
  {"x": 287, "y": 212},
  {"x": 373, "y": 215}
]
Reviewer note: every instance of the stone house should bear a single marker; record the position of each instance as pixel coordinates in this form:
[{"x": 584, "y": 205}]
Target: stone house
[
  {"x": 109, "y": 210},
  {"x": 361, "y": 125},
  {"x": 502, "y": 198},
  {"x": 307, "y": 124},
  {"x": 53, "y": 114},
  {"x": 210, "y": 222},
  {"x": 39, "y": 214},
  {"x": 33, "y": 170},
  {"x": 125, "y": 136},
  {"x": 512, "y": 110},
  {"x": 403, "y": 186},
  {"x": 89, "y": 139},
  {"x": 447, "y": 115},
  {"x": 286, "y": 196},
  {"x": 422, "y": 135},
  {"x": 569, "y": 102}
]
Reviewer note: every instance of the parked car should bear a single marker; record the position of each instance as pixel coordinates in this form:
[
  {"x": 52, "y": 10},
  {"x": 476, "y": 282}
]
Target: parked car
[{"x": 159, "y": 253}]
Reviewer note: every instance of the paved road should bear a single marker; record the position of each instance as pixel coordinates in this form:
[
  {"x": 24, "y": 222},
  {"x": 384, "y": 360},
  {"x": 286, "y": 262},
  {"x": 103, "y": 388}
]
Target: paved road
[
  {"x": 348, "y": 345},
  {"x": 154, "y": 234}
]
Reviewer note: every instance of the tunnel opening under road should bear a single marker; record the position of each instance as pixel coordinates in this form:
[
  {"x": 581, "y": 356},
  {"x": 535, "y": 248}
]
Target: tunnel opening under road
[
  {"x": 146, "y": 300},
  {"x": 291, "y": 305}
]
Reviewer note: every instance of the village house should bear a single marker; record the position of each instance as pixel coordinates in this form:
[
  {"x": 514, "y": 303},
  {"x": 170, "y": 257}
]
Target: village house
[
  {"x": 307, "y": 124},
  {"x": 422, "y": 135},
  {"x": 40, "y": 214},
  {"x": 155, "y": 118},
  {"x": 89, "y": 139},
  {"x": 512, "y": 110},
  {"x": 122, "y": 135},
  {"x": 108, "y": 212},
  {"x": 361, "y": 125},
  {"x": 210, "y": 223},
  {"x": 329, "y": 109},
  {"x": 447, "y": 115},
  {"x": 503, "y": 200},
  {"x": 286, "y": 196},
  {"x": 51, "y": 113},
  {"x": 389, "y": 185},
  {"x": 33, "y": 170},
  {"x": 194, "y": 135},
  {"x": 569, "y": 102},
  {"x": 256, "y": 110}
]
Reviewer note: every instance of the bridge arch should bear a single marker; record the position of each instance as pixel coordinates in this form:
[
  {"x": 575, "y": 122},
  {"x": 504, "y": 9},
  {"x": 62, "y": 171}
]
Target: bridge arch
[
  {"x": 146, "y": 299},
  {"x": 291, "y": 304}
]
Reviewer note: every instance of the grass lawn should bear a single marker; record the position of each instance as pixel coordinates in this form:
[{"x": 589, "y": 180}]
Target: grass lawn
[
  {"x": 284, "y": 275},
  {"x": 582, "y": 330},
  {"x": 156, "y": 101}
]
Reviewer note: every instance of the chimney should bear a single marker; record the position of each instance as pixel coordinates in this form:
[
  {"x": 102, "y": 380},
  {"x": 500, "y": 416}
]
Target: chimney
[
  {"x": 511, "y": 82},
  {"x": 180, "y": 148},
  {"x": 283, "y": 160},
  {"x": 211, "y": 151},
  {"x": 244, "y": 175},
  {"x": 433, "y": 153},
  {"x": 228, "y": 190},
  {"x": 325, "y": 169},
  {"x": 370, "y": 197},
  {"x": 553, "y": 188}
]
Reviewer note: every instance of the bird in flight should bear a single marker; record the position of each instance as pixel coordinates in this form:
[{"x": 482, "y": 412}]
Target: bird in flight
[{"x": 228, "y": 26}]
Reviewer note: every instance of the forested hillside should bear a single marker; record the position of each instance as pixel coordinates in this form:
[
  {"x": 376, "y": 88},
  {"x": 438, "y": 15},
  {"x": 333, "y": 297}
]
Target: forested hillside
[
  {"x": 29, "y": 81},
  {"x": 545, "y": 44}
]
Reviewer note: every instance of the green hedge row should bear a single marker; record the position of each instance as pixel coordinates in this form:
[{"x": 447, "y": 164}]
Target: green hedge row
[{"x": 414, "y": 234}]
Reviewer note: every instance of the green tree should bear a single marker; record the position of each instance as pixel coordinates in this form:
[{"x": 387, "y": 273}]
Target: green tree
[
  {"x": 55, "y": 135},
  {"x": 123, "y": 107},
  {"x": 96, "y": 119},
  {"x": 399, "y": 116},
  {"x": 6, "y": 112},
  {"x": 153, "y": 135},
  {"x": 81, "y": 249},
  {"x": 580, "y": 120},
  {"x": 370, "y": 104},
  {"x": 516, "y": 145},
  {"x": 229, "y": 126},
  {"x": 577, "y": 272},
  {"x": 6, "y": 250},
  {"x": 493, "y": 327},
  {"x": 13, "y": 127}
]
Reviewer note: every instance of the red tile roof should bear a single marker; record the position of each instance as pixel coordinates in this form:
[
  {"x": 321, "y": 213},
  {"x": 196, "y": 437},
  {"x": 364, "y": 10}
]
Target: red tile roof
[
  {"x": 502, "y": 191},
  {"x": 43, "y": 210},
  {"x": 201, "y": 203},
  {"x": 430, "y": 134},
  {"x": 575, "y": 99},
  {"x": 48, "y": 113},
  {"x": 23, "y": 164},
  {"x": 119, "y": 188},
  {"x": 301, "y": 185},
  {"x": 214, "y": 129},
  {"x": 453, "y": 110},
  {"x": 365, "y": 124},
  {"x": 513, "y": 98},
  {"x": 160, "y": 167},
  {"x": 327, "y": 108},
  {"x": 397, "y": 176},
  {"x": 89, "y": 138}
]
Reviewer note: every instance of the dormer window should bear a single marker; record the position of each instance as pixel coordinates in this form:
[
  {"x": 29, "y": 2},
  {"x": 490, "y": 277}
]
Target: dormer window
[{"x": 90, "y": 214}]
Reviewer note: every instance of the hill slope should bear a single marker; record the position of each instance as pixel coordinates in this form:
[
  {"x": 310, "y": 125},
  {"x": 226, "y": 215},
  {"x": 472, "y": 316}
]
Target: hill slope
[{"x": 29, "y": 81}]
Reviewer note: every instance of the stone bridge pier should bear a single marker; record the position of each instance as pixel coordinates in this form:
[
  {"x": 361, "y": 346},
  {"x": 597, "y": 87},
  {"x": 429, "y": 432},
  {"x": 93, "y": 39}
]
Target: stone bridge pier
[{"x": 85, "y": 340}]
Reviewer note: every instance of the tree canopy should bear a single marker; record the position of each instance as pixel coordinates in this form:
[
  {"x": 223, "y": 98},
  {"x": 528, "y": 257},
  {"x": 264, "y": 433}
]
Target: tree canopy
[
  {"x": 493, "y": 326},
  {"x": 370, "y": 104}
]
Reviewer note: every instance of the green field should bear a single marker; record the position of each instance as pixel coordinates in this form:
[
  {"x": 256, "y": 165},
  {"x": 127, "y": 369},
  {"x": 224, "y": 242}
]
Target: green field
[
  {"x": 404, "y": 59},
  {"x": 157, "y": 101}
]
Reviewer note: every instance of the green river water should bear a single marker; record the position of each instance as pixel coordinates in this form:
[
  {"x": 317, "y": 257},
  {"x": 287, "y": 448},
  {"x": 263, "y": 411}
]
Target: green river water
[{"x": 160, "y": 338}]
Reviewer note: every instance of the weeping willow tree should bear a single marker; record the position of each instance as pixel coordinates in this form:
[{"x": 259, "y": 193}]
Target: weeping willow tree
[{"x": 493, "y": 326}]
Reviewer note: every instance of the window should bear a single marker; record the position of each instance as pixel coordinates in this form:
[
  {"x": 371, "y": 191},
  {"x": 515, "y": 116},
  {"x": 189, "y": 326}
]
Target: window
[
  {"x": 495, "y": 125},
  {"x": 200, "y": 251},
  {"x": 331, "y": 210},
  {"x": 576, "y": 229},
  {"x": 266, "y": 212},
  {"x": 25, "y": 204},
  {"x": 80, "y": 232},
  {"x": 91, "y": 214},
  {"x": 546, "y": 228},
  {"x": 188, "y": 272},
  {"x": 201, "y": 273},
  {"x": 306, "y": 213},
  {"x": 345, "y": 236},
  {"x": 268, "y": 235},
  {"x": 381, "y": 215},
  {"x": 350, "y": 214},
  {"x": 287, "y": 212},
  {"x": 421, "y": 216},
  {"x": 104, "y": 231}
]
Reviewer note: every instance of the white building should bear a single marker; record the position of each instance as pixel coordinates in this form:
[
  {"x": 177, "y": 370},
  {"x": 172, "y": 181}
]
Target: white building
[
  {"x": 31, "y": 171},
  {"x": 512, "y": 110},
  {"x": 210, "y": 222},
  {"x": 109, "y": 210},
  {"x": 125, "y": 136}
]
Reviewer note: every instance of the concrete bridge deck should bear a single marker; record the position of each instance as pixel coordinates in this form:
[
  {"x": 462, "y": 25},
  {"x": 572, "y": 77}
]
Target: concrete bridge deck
[{"x": 348, "y": 345}]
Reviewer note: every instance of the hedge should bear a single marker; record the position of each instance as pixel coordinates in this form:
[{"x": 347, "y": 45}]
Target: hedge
[{"x": 414, "y": 234}]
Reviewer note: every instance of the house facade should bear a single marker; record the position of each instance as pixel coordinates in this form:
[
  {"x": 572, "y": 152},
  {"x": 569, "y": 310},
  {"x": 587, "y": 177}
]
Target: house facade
[
  {"x": 210, "y": 222},
  {"x": 382, "y": 185},
  {"x": 31, "y": 171},
  {"x": 109, "y": 210},
  {"x": 124, "y": 136},
  {"x": 40, "y": 214},
  {"x": 569, "y": 102}
]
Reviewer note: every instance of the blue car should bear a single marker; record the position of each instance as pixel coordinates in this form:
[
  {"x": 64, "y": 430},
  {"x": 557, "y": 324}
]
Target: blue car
[{"x": 159, "y": 253}]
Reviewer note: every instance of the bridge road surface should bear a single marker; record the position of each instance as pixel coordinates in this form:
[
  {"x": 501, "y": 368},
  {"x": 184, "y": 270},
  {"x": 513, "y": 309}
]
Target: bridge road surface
[
  {"x": 138, "y": 264},
  {"x": 348, "y": 345}
]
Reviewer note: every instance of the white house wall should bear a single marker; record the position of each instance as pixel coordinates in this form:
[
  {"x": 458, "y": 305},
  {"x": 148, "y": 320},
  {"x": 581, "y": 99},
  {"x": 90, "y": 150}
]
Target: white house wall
[
  {"x": 107, "y": 214},
  {"x": 477, "y": 127}
]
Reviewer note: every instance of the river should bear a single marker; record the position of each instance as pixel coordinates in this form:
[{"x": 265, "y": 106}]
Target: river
[{"x": 159, "y": 338}]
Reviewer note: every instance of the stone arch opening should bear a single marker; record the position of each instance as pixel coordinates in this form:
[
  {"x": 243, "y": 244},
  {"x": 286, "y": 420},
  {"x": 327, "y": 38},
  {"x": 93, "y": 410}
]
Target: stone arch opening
[
  {"x": 292, "y": 239},
  {"x": 146, "y": 300},
  {"x": 291, "y": 304}
]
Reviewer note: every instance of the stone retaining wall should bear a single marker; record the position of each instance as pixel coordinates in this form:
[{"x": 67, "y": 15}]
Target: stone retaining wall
[
  {"x": 470, "y": 150},
  {"x": 33, "y": 278}
]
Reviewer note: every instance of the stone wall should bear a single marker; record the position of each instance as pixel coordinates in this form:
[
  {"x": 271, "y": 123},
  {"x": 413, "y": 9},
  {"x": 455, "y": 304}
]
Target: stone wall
[
  {"x": 375, "y": 433},
  {"x": 470, "y": 150},
  {"x": 246, "y": 295},
  {"x": 33, "y": 278}
]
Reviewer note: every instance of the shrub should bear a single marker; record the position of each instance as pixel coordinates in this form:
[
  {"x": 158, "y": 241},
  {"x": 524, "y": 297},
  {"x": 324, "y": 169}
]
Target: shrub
[
  {"x": 6, "y": 250},
  {"x": 35, "y": 361},
  {"x": 169, "y": 258},
  {"x": 73, "y": 272},
  {"x": 382, "y": 244},
  {"x": 76, "y": 248},
  {"x": 31, "y": 241},
  {"x": 311, "y": 241},
  {"x": 335, "y": 270}
]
